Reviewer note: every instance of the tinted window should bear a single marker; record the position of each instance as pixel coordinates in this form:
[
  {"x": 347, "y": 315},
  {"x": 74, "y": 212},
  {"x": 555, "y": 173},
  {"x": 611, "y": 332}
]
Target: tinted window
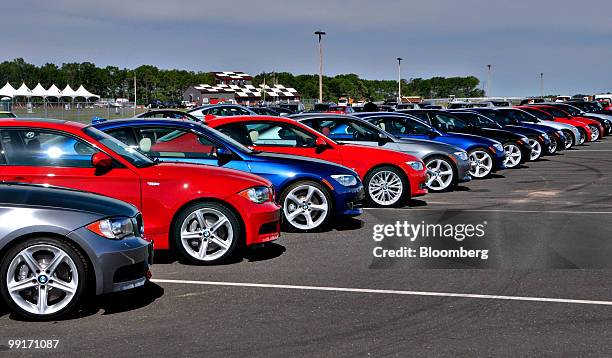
[
  {"x": 539, "y": 114},
  {"x": 130, "y": 154},
  {"x": 125, "y": 135},
  {"x": 344, "y": 130},
  {"x": 555, "y": 112},
  {"x": 269, "y": 134},
  {"x": 401, "y": 125},
  {"x": 448, "y": 123},
  {"x": 42, "y": 148},
  {"x": 167, "y": 142},
  {"x": 520, "y": 116}
]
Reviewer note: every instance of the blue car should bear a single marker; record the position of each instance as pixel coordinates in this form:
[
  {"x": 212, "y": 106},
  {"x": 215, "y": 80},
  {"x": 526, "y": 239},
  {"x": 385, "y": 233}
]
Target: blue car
[
  {"x": 310, "y": 191},
  {"x": 557, "y": 137},
  {"x": 486, "y": 155}
]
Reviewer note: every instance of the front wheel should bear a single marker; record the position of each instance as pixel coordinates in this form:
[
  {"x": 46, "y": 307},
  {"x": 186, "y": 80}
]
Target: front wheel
[
  {"x": 594, "y": 133},
  {"x": 386, "y": 187},
  {"x": 440, "y": 174},
  {"x": 481, "y": 163},
  {"x": 513, "y": 155},
  {"x": 306, "y": 206},
  {"x": 536, "y": 149},
  {"x": 43, "y": 278},
  {"x": 569, "y": 139},
  {"x": 206, "y": 233},
  {"x": 583, "y": 136},
  {"x": 552, "y": 149}
]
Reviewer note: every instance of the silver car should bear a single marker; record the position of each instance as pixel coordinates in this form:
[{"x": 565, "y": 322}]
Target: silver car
[
  {"x": 446, "y": 165},
  {"x": 58, "y": 244}
]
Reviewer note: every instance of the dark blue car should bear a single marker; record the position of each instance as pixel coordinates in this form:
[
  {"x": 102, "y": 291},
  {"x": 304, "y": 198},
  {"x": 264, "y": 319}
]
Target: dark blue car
[
  {"x": 486, "y": 155},
  {"x": 310, "y": 191}
]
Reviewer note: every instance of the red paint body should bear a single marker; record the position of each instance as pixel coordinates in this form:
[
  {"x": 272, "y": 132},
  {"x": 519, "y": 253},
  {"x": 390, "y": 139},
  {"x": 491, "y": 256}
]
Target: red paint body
[
  {"x": 359, "y": 158},
  {"x": 584, "y": 120},
  {"x": 158, "y": 191}
]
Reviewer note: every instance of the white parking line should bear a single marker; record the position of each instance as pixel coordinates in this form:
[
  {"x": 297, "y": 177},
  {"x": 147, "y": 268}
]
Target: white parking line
[
  {"x": 501, "y": 211},
  {"x": 388, "y": 292}
]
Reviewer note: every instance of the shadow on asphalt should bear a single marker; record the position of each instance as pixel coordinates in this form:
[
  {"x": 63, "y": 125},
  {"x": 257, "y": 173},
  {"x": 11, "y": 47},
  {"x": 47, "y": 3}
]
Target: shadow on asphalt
[{"x": 107, "y": 304}]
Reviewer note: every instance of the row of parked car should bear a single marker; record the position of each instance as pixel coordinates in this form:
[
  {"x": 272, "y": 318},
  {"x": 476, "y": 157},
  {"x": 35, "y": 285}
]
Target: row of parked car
[{"x": 207, "y": 183}]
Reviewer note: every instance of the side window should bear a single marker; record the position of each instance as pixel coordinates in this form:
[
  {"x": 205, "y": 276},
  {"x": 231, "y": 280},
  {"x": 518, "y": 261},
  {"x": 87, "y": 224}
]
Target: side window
[
  {"x": 243, "y": 112},
  {"x": 448, "y": 123},
  {"x": 124, "y": 135},
  {"x": 175, "y": 143},
  {"x": 41, "y": 148},
  {"x": 420, "y": 115},
  {"x": 238, "y": 132},
  {"x": 279, "y": 134}
]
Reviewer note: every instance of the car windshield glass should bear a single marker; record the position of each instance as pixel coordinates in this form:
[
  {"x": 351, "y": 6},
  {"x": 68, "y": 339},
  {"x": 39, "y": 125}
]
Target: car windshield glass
[
  {"x": 555, "y": 112},
  {"x": 130, "y": 154},
  {"x": 499, "y": 118},
  {"x": 571, "y": 110},
  {"x": 478, "y": 120},
  {"x": 538, "y": 114}
]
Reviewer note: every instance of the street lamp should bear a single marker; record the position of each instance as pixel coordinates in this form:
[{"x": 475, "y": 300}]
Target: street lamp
[
  {"x": 488, "y": 94},
  {"x": 542, "y": 84},
  {"x": 399, "y": 80},
  {"x": 320, "y": 34}
]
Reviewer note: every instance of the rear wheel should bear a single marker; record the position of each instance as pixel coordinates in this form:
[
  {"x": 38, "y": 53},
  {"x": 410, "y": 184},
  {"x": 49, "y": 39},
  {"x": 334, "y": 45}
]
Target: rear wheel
[
  {"x": 206, "y": 233},
  {"x": 481, "y": 163},
  {"x": 440, "y": 174},
  {"x": 306, "y": 206},
  {"x": 44, "y": 278},
  {"x": 536, "y": 149},
  {"x": 513, "y": 155},
  {"x": 387, "y": 187}
]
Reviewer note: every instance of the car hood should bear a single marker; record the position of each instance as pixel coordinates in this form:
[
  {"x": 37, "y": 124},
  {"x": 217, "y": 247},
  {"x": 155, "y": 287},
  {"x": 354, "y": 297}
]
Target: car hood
[
  {"x": 389, "y": 155},
  {"x": 302, "y": 163},
  {"x": 63, "y": 199},
  {"x": 170, "y": 171},
  {"x": 524, "y": 130}
]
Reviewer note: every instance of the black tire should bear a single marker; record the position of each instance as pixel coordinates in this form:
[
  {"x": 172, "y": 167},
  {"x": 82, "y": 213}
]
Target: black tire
[
  {"x": 237, "y": 241},
  {"x": 75, "y": 255},
  {"x": 405, "y": 194},
  {"x": 453, "y": 167},
  {"x": 286, "y": 225}
]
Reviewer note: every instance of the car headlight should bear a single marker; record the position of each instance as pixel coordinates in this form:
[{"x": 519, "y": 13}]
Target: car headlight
[
  {"x": 545, "y": 136},
  {"x": 498, "y": 147},
  {"x": 461, "y": 155},
  {"x": 345, "y": 179},
  {"x": 113, "y": 228},
  {"x": 258, "y": 194},
  {"x": 418, "y": 166}
]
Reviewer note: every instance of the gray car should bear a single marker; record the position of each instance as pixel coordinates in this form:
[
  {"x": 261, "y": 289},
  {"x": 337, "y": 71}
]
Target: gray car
[
  {"x": 56, "y": 245},
  {"x": 446, "y": 165}
]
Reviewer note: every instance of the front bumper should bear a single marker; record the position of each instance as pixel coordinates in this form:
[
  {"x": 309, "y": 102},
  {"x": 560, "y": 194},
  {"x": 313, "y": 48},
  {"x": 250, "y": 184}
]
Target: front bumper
[
  {"x": 417, "y": 179},
  {"x": 348, "y": 200},
  {"x": 261, "y": 221},
  {"x": 118, "y": 265},
  {"x": 463, "y": 170}
]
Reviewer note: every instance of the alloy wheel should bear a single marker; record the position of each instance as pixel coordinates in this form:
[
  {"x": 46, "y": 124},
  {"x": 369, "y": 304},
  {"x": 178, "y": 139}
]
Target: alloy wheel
[
  {"x": 552, "y": 149},
  {"x": 481, "y": 163},
  {"x": 207, "y": 234},
  {"x": 42, "y": 279},
  {"x": 439, "y": 174},
  {"x": 582, "y": 138},
  {"x": 536, "y": 149},
  {"x": 594, "y": 133},
  {"x": 305, "y": 207},
  {"x": 569, "y": 142},
  {"x": 385, "y": 188},
  {"x": 513, "y": 155}
]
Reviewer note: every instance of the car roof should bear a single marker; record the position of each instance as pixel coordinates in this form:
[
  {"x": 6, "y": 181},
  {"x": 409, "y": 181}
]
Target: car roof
[{"x": 148, "y": 121}]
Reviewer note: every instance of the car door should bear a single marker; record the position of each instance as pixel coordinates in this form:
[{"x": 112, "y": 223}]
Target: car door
[
  {"x": 43, "y": 156},
  {"x": 280, "y": 137}
]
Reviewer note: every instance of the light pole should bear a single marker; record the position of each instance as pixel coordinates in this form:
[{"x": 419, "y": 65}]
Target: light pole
[
  {"x": 399, "y": 80},
  {"x": 488, "y": 94},
  {"x": 542, "y": 84},
  {"x": 320, "y": 34}
]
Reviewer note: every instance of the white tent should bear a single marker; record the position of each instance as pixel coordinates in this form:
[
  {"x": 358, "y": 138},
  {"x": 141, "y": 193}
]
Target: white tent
[
  {"x": 68, "y": 92},
  {"x": 23, "y": 91},
  {"x": 82, "y": 92},
  {"x": 53, "y": 91},
  {"x": 39, "y": 91},
  {"x": 7, "y": 91}
]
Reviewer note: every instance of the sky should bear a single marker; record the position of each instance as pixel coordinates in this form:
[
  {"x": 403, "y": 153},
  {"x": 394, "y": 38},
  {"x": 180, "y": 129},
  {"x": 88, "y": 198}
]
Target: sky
[{"x": 570, "y": 42}]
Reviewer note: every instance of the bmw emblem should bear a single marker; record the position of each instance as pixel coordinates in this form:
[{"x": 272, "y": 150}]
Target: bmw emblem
[{"x": 42, "y": 279}]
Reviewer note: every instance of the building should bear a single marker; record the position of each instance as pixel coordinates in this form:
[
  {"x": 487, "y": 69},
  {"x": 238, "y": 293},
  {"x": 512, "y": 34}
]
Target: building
[{"x": 237, "y": 87}]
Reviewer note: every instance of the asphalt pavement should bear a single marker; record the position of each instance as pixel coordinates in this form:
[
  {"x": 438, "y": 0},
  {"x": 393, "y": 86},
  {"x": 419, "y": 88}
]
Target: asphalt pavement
[{"x": 544, "y": 291}]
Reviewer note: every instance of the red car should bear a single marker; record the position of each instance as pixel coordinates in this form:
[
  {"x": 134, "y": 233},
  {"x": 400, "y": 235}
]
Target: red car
[
  {"x": 583, "y": 128},
  {"x": 390, "y": 177},
  {"x": 597, "y": 130},
  {"x": 205, "y": 213}
]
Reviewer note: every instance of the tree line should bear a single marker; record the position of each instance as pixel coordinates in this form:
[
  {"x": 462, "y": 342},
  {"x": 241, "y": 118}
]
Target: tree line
[{"x": 155, "y": 83}]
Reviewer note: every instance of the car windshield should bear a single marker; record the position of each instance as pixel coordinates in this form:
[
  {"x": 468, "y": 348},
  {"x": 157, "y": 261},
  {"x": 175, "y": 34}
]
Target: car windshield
[
  {"x": 478, "y": 120},
  {"x": 343, "y": 129},
  {"x": 539, "y": 114},
  {"x": 239, "y": 146},
  {"x": 130, "y": 154},
  {"x": 500, "y": 118},
  {"x": 571, "y": 110},
  {"x": 555, "y": 112}
]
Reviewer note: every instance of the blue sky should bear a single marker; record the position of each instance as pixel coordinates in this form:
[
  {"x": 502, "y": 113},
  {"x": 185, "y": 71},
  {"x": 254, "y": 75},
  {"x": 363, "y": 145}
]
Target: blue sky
[{"x": 570, "y": 42}]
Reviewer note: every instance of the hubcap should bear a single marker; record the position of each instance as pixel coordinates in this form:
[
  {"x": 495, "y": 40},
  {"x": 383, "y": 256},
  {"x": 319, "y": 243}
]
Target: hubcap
[
  {"x": 305, "y": 207},
  {"x": 385, "y": 188},
  {"x": 481, "y": 163},
  {"x": 42, "y": 279},
  {"x": 439, "y": 175},
  {"x": 513, "y": 155},
  {"x": 206, "y": 234},
  {"x": 536, "y": 149}
]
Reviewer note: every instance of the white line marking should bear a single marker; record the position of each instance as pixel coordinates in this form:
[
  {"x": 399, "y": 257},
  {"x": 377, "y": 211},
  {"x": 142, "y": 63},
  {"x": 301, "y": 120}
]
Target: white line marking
[
  {"x": 595, "y": 150},
  {"x": 389, "y": 292},
  {"x": 501, "y": 211}
]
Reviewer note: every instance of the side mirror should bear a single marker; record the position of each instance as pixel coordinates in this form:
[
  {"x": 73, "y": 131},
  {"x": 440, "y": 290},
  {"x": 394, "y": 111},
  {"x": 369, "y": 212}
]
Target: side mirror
[
  {"x": 320, "y": 144},
  {"x": 224, "y": 156},
  {"x": 383, "y": 139},
  {"x": 209, "y": 117},
  {"x": 432, "y": 134},
  {"x": 101, "y": 161}
]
